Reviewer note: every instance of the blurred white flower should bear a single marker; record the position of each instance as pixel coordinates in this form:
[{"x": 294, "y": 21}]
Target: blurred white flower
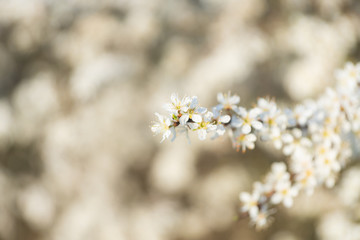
[
  {"x": 205, "y": 126},
  {"x": 250, "y": 202},
  {"x": 278, "y": 174},
  {"x": 163, "y": 127},
  {"x": 193, "y": 112},
  {"x": 262, "y": 219},
  {"x": 296, "y": 142},
  {"x": 247, "y": 120},
  {"x": 266, "y": 105},
  {"x": 284, "y": 193},
  {"x": 327, "y": 162},
  {"x": 243, "y": 141},
  {"x": 227, "y": 101},
  {"x": 349, "y": 77},
  {"x": 177, "y": 105},
  {"x": 278, "y": 137},
  {"x": 314, "y": 136}
]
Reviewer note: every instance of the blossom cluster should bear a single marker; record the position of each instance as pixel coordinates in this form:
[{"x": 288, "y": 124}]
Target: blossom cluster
[
  {"x": 343, "y": 222},
  {"x": 314, "y": 136}
]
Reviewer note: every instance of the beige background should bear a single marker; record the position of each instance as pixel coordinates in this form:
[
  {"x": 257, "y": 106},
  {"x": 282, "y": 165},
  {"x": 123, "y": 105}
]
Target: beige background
[{"x": 80, "y": 81}]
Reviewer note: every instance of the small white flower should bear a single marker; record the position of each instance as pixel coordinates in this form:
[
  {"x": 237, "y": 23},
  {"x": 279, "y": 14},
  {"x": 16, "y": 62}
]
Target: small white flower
[
  {"x": 250, "y": 202},
  {"x": 326, "y": 134},
  {"x": 262, "y": 218},
  {"x": 329, "y": 101},
  {"x": 177, "y": 105},
  {"x": 301, "y": 114},
  {"x": 227, "y": 101},
  {"x": 348, "y": 77},
  {"x": 322, "y": 149},
  {"x": 266, "y": 105},
  {"x": 243, "y": 141},
  {"x": 247, "y": 120},
  {"x": 193, "y": 112},
  {"x": 277, "y": 137},
  {"x": 284, "y": 193},
  {"x": 327, "y": 163},
  {"x": 306, "y": 180},
  {"x": 278, "y": 174},
  {"x": 163, "y": 126},
  {"x": 302, "y": 166},
  {"x": 296, "y": 143},
  {"x": 205, "y": 126},
  {"x": 220, "y": 118},
  {"x": 273, "y": 118}
]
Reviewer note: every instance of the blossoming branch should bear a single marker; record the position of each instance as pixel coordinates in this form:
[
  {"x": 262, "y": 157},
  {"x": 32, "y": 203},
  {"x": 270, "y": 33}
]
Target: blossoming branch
[{"x": 315, "y": 137}]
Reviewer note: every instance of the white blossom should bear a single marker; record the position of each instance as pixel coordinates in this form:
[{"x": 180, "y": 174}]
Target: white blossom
[
  {"x": 221, "y": 120},
  {"x": 176, "y": 106},
  {"x": 327, "y": 162},
  {"x": 193, "y": 112},
  {"x": 348, "y": 77},
  {"x": 262, "y": 218},
  {"x": 250, "y": 202},
  {"x": 296, "y": 142},
  {"x": 315, "y": 136},
  {"x": 266, "y": 105},
  {"x": 301, "y": 114},
  {"x": 284, "y": 193},
  {"x": 205, "y": 126},
  {"x": 163, "y": 127},
  {"x": 278, "y": 174},
  {"x": 227, "y": 102},
  {"x": 271, "y": 116},
  {"x": 278, "y": 137},
  {"x": 247, "y": 120},
  {"x": 243, "y": 141}
]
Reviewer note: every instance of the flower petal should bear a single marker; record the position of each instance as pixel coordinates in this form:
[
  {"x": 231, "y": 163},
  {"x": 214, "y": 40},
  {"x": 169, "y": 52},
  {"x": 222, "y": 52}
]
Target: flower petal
[
  {"x": 224, "y": 119},
  {"x": 184, "y": 118},
  {"x": 202, "y": 134},
  {"x": 245, "y": 129},
  {"x": 201, "y": 110},
  {"x": 174, "y": 98},
  {"x": 276, "y": 198},
  {"x": 257, "y": 125},
  {"x": 245, "y": 197},
  {"x": 288, "y": 202},
  {"x": 220, "y": 98},
  {"x": 196, "y": 118},
  {"x": 234, "y": 99}
]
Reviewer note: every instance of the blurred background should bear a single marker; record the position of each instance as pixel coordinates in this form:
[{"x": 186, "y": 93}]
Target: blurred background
[{"x": 81, "y": 79}]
